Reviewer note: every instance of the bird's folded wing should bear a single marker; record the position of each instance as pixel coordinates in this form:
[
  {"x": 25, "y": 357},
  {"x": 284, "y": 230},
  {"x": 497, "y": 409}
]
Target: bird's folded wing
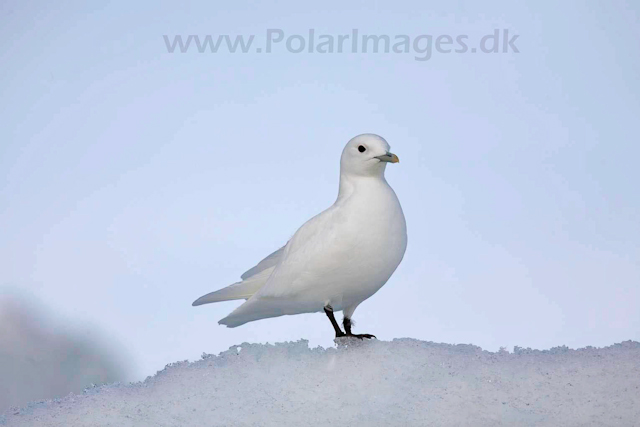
[
  {"x": 240, "y": 290},
  {"x": 268, "y": 262},
  {"x": 316, "y": 249}
]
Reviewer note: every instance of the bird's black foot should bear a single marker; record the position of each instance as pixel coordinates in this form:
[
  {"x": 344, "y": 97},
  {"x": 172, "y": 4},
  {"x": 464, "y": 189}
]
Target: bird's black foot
[{"x": 347, "y": 327}]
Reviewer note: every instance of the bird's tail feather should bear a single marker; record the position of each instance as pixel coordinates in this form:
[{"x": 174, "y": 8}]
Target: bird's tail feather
[
  {"x": 262, "y": 308},
  {"x": 239, "y": 290},
  {"x": 250, "y": 311}
]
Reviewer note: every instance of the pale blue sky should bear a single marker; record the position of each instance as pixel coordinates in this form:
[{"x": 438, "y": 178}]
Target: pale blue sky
[{"x": 134, "y": 180}]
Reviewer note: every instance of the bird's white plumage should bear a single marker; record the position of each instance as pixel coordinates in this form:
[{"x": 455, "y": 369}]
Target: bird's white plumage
[
  {"x": 270, "y": 261},
  {"x": 338, "y": 258}
]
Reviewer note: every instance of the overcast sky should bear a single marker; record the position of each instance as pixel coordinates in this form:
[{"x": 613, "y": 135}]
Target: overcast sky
[{"x": 135, "y": 180}]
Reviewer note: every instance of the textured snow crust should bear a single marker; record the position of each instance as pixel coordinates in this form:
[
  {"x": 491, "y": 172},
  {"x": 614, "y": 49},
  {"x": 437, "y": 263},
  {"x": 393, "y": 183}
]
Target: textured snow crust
[{"x": 404, "y": 382}]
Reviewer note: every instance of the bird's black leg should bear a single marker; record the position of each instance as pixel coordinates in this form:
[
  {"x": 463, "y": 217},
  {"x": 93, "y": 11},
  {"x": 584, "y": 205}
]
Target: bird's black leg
[
  {"x": 329, "y": 312},
  {"x": 347, "y": 327}
]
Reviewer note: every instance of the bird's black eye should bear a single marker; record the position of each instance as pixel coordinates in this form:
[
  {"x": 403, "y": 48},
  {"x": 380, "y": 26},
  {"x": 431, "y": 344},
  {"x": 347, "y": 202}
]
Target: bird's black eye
[{"x": 362, "y": 149}]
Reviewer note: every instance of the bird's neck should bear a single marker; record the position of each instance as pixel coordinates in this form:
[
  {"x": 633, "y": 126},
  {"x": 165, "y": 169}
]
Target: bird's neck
[{"x": 363, "y": 184}]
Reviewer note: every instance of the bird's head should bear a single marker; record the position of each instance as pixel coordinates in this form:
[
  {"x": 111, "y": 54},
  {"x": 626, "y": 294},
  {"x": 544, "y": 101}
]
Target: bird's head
[{"x": 366, "y": 155}]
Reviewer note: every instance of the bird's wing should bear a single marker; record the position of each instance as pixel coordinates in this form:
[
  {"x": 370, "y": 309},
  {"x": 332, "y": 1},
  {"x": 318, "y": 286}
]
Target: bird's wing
[
  {"x": 270, "y": 261},
  {"x": 313, "y": 255},
  {"x": 252, "y": 280},
  {"x": 315, "y": 250},
  {"x": 240, "y": 290}
]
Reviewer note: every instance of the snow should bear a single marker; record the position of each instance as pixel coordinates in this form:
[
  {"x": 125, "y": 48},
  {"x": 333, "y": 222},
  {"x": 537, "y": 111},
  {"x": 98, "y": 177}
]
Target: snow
[{"x": 368, "y": 383}]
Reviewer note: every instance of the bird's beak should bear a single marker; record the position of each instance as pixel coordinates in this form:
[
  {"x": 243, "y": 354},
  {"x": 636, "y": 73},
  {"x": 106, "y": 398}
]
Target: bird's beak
[{"x": 389, "y": 157}]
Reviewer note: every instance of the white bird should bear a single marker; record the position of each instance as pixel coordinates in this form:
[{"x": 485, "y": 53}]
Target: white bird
[{"x": 338, "y": 258}]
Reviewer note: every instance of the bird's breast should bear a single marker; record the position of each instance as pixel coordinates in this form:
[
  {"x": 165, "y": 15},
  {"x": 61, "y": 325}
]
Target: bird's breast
[{"x": 373, "y": 236}]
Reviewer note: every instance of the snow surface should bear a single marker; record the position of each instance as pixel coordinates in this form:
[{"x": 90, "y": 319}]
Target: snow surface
[{"x": 403, "y": 382}]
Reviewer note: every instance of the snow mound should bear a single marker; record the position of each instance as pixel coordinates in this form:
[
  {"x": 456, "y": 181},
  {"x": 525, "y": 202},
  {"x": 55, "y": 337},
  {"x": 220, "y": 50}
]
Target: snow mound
[{"x": 371, "y": 383}]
